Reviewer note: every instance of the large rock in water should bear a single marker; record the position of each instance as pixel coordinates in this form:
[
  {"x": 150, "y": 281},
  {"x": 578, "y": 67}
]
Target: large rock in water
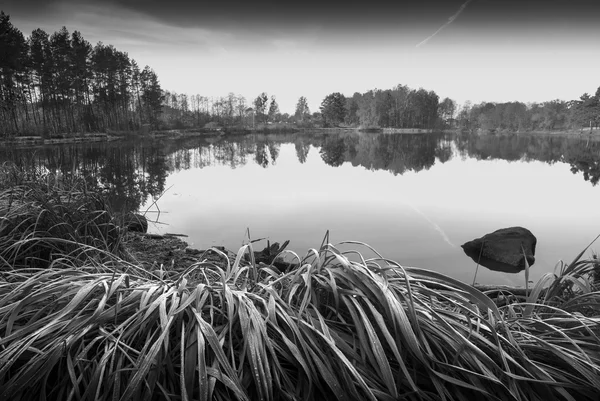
[{"x": 503, "y": 249}]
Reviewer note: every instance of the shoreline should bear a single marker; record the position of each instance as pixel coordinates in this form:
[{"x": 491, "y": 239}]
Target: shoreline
[
  {"x": 172, "y": 254},
  {"x": 212, "y": 132}
]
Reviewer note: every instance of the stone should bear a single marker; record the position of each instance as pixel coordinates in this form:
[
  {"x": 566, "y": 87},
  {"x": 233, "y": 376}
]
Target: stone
[
  {"x": 268, "y": 257},
  {"x": 136, "y": 222},
  {"x": 503, "y": 249}
]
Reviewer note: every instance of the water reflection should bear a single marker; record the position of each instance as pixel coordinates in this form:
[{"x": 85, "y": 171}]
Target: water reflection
[
  {"x": 302, "y": 150},
  {"x": 580, "y": 152},
  {"x": 132, "y": 171},
  {"x": 127, "y": 172},
  {"x": 413, "y": 197}
]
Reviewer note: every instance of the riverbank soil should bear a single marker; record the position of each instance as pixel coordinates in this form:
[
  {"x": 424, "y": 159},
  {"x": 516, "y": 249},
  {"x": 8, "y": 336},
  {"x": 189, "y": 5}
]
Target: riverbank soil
[{"x": 171, "y": 252}]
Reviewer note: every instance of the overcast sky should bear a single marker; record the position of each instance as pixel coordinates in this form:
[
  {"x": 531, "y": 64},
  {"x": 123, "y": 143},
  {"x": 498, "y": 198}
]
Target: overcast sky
[{"x": 478, "y": 50}]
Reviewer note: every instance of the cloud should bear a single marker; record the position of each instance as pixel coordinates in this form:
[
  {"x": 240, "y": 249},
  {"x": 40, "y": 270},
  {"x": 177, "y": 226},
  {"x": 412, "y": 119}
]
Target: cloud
[{"x": 450, "y": 20}]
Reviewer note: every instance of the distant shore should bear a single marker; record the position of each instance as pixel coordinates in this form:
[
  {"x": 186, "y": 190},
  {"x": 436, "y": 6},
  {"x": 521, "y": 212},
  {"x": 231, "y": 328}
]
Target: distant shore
[
  {"x": 570, "y": 132},
  {"x": 175, "y": 133}
]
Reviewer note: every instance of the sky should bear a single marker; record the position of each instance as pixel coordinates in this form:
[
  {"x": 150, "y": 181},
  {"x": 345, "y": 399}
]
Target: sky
[{"x": 476, "y": 50}]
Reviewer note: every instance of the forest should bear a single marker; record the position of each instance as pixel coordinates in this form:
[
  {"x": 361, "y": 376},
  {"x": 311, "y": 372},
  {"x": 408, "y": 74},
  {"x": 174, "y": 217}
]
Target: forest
[
  {"x": 555, "y": 115},
  {"x": 60, "y": 84},
  {"x": 402, "y": 107},
  {"x": 55, "y": 85}
]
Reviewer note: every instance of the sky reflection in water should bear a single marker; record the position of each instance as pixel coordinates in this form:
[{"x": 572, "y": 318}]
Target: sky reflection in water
[
  {"x": 416, "y": 218},
  {"x": 414, "y": 198}
]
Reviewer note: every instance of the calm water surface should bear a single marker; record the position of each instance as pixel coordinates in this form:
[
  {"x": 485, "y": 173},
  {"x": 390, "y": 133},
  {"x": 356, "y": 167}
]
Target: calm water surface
[{"x": 414, "y": 198}]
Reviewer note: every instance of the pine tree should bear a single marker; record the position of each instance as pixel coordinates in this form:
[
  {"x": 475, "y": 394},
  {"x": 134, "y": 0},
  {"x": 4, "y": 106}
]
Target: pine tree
[{"x": 13, "y": 52}]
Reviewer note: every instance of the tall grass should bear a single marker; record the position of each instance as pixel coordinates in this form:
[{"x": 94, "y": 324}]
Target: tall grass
[
  {"x": 44, "y": 217},
  {"x": 339, "y": 327}
]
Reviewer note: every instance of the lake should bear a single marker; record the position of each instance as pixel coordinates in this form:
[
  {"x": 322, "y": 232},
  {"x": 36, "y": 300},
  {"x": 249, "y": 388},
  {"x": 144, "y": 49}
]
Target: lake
[{"x": 414, "y": 198}]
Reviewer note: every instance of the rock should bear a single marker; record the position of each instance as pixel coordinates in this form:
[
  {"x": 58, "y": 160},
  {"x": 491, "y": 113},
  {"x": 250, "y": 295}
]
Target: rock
[
  {"x": 135, "y": 222},
  {"x": 267, "y": 256},
  {"x": 503, "y": 249}
]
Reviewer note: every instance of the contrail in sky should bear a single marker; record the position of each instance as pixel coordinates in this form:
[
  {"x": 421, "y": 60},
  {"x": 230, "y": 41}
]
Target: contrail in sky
[
  {"x": 435, "y": 226},
  {"x": 450, "y": 20}
]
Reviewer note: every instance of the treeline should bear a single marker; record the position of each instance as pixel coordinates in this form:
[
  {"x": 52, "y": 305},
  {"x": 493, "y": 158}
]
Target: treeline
[
  {"x": 59, "y": 84},
  {"x": 196, "y": 111},
  {"x": 400, "y": 107},
  {"x": 189, "y": 111},
  {"x": 520, "y": 117},
  {"x": 232, "y": 111}
]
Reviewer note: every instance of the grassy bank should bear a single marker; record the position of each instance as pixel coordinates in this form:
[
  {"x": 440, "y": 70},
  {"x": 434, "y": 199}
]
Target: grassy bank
[
  {"x": 92, "y": 324},
  {"x": 45, "y": 217}
]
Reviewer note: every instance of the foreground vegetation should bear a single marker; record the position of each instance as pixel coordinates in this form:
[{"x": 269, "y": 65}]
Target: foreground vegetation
[{"x": 90, "y": 324}]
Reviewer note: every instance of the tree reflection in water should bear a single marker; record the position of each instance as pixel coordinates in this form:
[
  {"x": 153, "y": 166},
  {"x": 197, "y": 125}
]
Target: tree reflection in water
[
  {"x": 302, "y": 150},
  {"x": 261, "y": 157},
  {"x": 131, "y": 172},
  {"x": 581, "y": 153},
  {"x": 333, "y": 151}
]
